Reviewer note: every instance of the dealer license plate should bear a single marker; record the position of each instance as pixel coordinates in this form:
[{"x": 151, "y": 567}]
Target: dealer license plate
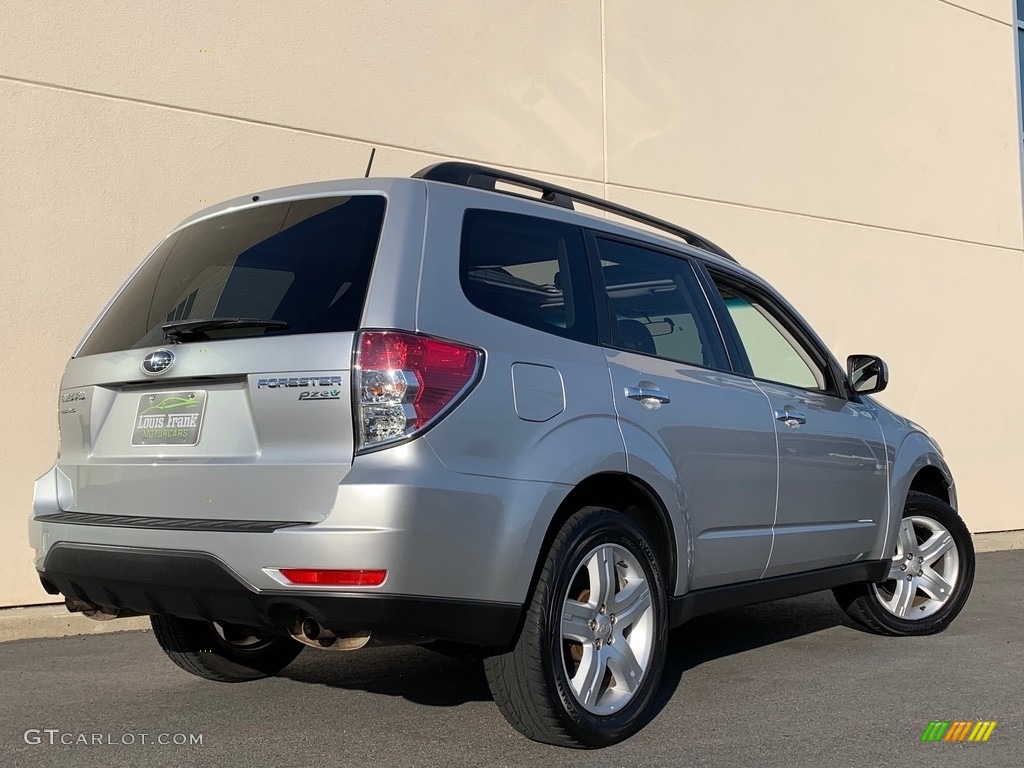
[{"x": 169, "y": 418}]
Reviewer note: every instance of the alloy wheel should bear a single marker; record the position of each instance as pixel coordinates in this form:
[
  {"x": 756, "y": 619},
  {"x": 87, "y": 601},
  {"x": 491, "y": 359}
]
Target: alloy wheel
[
  {"x": 924, "y": 570},
  {"x": 607, "y": 629}
]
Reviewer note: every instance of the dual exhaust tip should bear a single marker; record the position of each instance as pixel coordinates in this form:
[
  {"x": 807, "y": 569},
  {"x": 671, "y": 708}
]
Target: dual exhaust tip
[
  {"x": 305, "y": 630},
  {"x": 98, "y": 612},
  {"x": 308, "y": 631}
]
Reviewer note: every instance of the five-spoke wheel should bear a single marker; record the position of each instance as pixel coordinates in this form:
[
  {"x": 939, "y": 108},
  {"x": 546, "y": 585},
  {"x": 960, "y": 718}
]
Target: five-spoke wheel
[
  {"x": 587, "y": 663},
  {"x": 924, "y": 569},
  {"x": 930, "y": 577},
  {"x": 607, "y": 622}
]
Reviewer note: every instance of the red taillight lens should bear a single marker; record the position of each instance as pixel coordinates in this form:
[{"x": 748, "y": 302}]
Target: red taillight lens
[
  {"x": 405, "y": 381},
  {"x": 335, "y": 578}
]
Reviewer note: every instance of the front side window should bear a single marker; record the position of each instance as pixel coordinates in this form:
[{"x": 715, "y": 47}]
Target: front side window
[
  {"x": 303, "y": 266},
  {"x": 773, "y": 351},
  {"x": 528, "y": 270},
  {"x": 655, "y": 305}
]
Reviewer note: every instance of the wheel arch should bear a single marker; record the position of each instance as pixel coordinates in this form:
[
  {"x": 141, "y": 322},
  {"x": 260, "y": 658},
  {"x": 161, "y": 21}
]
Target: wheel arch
[
  {"x": 631, "y": 496},
  {"x": 930, "y": 479},
  {"x": 918, "y": 466}
]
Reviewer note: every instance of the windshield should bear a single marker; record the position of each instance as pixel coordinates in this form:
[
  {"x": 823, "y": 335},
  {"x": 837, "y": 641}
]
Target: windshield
[{"x": 305, "y": 264}]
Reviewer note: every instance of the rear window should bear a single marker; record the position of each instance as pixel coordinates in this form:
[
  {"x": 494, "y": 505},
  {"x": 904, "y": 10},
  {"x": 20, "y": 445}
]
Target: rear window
[{"x": 306, "y": 263}]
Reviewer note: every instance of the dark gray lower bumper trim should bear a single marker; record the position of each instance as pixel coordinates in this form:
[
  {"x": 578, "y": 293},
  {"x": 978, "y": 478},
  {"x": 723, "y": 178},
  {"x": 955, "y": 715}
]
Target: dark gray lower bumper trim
[{"x": 195, "y": 585}]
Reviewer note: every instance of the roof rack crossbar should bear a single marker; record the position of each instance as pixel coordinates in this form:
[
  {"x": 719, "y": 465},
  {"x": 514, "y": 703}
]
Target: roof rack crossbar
[{"x": 482, "y": 177}]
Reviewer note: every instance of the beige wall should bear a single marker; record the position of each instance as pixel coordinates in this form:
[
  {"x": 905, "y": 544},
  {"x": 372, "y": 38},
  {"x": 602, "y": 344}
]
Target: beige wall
[{"x": 864, "y": 157}]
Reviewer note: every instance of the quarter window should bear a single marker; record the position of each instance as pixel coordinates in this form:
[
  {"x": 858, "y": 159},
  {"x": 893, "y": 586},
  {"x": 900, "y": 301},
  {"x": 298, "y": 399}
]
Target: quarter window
[{"x": 528, "y": 270}]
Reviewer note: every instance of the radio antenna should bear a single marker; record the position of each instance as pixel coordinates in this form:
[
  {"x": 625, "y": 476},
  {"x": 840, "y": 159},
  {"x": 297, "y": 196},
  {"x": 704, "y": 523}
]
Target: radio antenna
[{"x": 369, "y": 165}]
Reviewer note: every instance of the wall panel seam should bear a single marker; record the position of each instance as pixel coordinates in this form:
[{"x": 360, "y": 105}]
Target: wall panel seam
[
  {"x": 817, "y": 217},
  {"x": 608, "y": 185},
  {"x": 604, "y": 99},
  {"x": 270, "y": 124},
  {"x": 975, "y": 13}
]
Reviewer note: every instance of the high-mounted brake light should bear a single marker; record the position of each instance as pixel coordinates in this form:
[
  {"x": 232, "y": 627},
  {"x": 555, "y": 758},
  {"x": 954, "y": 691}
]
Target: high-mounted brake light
[
  {"x": 335, "y": 578},
  {"x": 405, "y": 382}
]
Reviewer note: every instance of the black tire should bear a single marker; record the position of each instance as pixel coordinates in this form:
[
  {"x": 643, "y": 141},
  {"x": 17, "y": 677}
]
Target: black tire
[
  {"x": 530, "y": 683},
  {"x": 197, "y": 647},
  {"x": 864, "y": 605}
]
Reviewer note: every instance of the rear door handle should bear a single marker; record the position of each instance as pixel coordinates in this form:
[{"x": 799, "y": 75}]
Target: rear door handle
[
  {"x": 790, "y": 418},
  {"x": 649, "y": 397}
]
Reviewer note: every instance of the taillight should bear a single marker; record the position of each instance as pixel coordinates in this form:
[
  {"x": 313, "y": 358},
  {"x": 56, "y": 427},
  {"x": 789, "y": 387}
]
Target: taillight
[{"x": 405, "y": 382}]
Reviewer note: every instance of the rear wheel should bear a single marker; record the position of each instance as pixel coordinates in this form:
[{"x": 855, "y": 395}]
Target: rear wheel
[
  {"x": 588, "y": 661},
  {"x": 226, "y": 653},
  {"x": 930, "y": 577}
]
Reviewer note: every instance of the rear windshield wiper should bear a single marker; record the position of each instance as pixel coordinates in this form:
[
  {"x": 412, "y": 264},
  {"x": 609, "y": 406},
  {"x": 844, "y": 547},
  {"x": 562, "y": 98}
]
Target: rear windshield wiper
[{"x": 179, "y": 330}]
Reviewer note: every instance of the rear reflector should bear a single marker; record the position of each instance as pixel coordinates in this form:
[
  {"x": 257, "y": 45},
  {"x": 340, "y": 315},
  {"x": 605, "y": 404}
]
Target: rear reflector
[
  {"x": 335, "y": 578},
  {"x": 405, "y": 382}
]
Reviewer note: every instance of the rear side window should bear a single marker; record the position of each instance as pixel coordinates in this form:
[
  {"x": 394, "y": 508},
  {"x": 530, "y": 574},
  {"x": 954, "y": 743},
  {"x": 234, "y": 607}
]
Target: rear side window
[
  {"x": 306, "y": 263},
  {"x": 655, "y": 305},
  {"x": 528, "y": 270}
]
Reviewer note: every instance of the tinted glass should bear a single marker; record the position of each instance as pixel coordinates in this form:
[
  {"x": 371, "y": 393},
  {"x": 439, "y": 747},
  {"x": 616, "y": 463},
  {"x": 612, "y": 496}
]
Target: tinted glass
[
  {"x": 1020, "y": 55},
  {"x": 773, "y": 352},
  {"x": 528, "y": 270},
  {"x": 655, "y": 305},
  {"x": 306, "y": 263}
]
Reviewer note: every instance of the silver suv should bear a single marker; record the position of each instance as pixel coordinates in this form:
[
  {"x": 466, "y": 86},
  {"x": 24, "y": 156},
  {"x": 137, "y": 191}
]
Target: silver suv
[{"x": 456, "y": 410}]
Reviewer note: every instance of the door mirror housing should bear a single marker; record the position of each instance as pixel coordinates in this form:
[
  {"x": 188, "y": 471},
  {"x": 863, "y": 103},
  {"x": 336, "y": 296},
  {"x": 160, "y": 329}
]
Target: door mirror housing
[{"x": 867, "y": 373}]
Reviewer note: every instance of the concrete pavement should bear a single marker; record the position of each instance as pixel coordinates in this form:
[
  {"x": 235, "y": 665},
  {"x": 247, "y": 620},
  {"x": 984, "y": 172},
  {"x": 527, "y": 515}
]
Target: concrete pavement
[{"x": 787, "y": 683}]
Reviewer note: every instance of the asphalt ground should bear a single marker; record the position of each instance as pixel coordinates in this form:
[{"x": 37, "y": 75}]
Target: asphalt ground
[{"x": 790, "y": 683}]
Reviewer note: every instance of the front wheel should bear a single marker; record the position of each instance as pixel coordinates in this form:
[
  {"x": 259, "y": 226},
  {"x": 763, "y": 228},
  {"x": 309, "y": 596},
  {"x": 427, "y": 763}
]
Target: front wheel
[
  {"x": 930, "y": 577},
  {"x": 223, "y": 652},
  {"x": 589, "y": 658}
]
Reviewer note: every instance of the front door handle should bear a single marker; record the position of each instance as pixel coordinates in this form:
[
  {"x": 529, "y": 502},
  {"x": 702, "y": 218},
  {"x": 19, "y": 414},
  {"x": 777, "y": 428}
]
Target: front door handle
[
  {"x": 650, "y": 397},
  {"x": 790, "y": 418}
]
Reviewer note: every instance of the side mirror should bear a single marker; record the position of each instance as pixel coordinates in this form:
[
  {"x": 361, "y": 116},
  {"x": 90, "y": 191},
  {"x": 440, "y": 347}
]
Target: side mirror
[{"x": 867, "y": 373}]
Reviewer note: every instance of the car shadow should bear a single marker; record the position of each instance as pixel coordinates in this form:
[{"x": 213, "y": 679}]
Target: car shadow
[
  {"x": 411, "y": 672},
  {"x": 426, "y": 677},
  {"x": 738, "y": 630}
]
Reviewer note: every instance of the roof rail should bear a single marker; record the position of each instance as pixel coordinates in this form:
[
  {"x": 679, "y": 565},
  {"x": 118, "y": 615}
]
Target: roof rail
[{"x": 482, "y": 177}]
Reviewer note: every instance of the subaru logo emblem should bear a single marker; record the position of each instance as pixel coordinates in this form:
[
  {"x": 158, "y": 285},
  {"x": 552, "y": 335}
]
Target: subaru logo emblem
[{"x": 158, "y": 362}]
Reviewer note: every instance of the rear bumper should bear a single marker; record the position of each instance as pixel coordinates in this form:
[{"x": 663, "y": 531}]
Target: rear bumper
[
  {"x": 440, "y": 535},
  {"x": 196, "y": 585},
  {"x": 460, "y": 552}
]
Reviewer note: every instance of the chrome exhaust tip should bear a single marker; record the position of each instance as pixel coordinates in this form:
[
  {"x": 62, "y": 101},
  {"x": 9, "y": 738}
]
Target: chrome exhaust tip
[
  {"x": 97, "y": 612},
  {"x": 309, "y": 631}
]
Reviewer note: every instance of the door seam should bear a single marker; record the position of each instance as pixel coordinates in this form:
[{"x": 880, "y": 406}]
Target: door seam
[{"x": 778, "y": 476}]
